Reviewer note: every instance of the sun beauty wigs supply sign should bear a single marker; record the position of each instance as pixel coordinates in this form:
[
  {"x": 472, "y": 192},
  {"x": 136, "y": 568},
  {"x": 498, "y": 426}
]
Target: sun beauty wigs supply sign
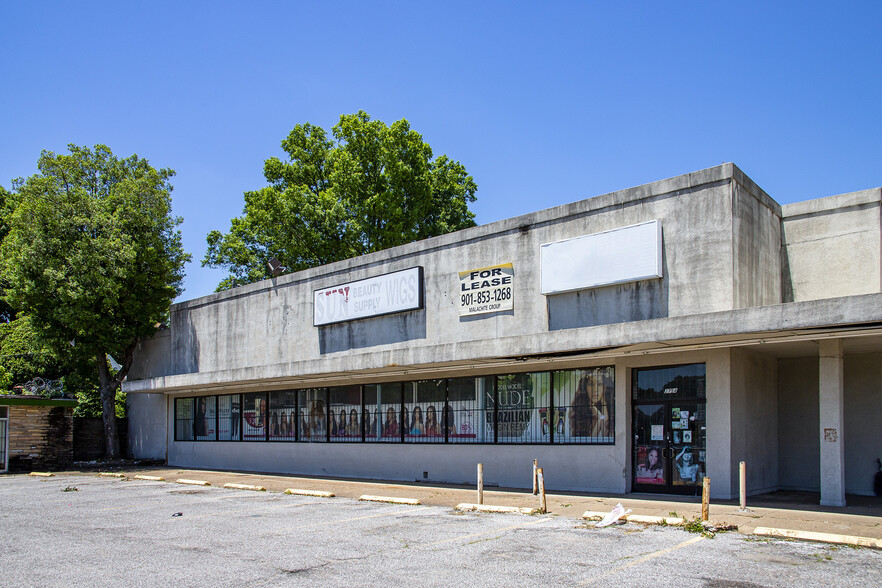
[
  {"x": 386, "y": 294},
  {"x": 488, "y": 289},
  {"x": 621, "y": 255}
]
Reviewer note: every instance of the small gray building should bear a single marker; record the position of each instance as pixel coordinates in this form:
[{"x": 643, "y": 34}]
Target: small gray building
[{"x": 635, "y": 341}]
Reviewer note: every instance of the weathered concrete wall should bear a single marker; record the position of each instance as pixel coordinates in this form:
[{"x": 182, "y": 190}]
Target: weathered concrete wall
[
  {"x": 154, "y": 356},
  {"x": 754, "y": 417},
  {"x": 147, "y": 435},
  {"x": 270, "y": 323},
  {"x": 833, "y": 246},
  {"x": 756, "y": 245},
  {"x": 799, "y": 446},
  {"x": 799, "y": 439},
  {"x": 863, "y": 421}
]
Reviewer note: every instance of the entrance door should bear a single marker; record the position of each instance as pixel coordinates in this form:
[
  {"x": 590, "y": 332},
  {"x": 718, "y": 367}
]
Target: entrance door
[{"x": 670, "y": 429}]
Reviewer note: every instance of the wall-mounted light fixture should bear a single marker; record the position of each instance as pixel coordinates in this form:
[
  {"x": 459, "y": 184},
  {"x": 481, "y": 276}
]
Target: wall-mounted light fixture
[{"x": 275, "y": 267}]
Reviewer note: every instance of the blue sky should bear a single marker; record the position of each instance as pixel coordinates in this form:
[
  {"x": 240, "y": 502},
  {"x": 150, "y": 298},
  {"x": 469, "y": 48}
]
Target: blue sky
[{"x": 544, "y": 103}]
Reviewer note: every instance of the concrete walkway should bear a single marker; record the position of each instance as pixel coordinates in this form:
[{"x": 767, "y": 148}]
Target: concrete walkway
[{"x": 794, "y": 511}]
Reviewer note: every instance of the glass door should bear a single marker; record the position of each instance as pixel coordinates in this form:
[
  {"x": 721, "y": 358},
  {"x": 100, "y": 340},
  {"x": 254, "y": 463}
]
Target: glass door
[
  {"x": 670, "y": 429},
  {"x": 687, "y": 445}
]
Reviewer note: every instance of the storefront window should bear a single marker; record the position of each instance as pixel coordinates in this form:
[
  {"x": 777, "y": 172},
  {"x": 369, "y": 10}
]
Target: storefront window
[
  {"x": 229, "y": 422},
  {"x": 204, "y": 418},
  {"x": 184, "y": 419},
  {"x": 343, "y": 418},
  {"x": 312, "y": 411},
  {"x": 669, "y": 383},
  {"x": 583, "y": 406},
  {"x": 283, "y": 415},
  {"x": 423, "y": 411},
  {"x": 573, "y": 406},
  {"x": 254, "y": 416},
  {"x": 382, "y": 403},
  {"x": 522, "y": 408},
  {"x": 467, "y": 410}
]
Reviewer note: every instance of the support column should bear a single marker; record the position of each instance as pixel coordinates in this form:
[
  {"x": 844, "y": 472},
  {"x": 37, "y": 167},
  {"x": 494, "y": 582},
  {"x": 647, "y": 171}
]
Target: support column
[{"x": 830, "y": 388}]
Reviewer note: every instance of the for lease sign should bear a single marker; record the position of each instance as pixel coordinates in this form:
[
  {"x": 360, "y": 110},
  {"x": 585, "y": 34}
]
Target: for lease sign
[
  {"x": 486, "y": 289},
  {"x": 384, "y": 294}
]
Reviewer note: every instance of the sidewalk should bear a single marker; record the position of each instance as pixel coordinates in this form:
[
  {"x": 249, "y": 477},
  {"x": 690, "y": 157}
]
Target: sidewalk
[{"x": 797, "y": 511}]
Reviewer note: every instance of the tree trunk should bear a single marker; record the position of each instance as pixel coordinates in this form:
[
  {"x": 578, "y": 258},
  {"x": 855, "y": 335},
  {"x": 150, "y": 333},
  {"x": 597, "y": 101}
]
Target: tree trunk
[{"x": 107, "y": 388}]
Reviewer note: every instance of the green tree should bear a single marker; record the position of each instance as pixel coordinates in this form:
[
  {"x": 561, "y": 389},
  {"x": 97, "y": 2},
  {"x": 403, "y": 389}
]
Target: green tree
[
  {"x": 94, "y": 258},
  {"x": 24, "y": 355},
  {"x": 6, "y": 206},
  {"x": 368, "y": 187}
]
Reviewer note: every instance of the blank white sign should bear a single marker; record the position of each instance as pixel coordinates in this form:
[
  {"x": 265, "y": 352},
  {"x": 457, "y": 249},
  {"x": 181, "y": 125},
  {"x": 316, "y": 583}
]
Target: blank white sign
[{"x": 621, "y": 255}]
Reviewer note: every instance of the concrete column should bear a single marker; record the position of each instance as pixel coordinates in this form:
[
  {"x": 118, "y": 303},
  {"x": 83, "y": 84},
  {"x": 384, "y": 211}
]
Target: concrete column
[
  {"x": 624, "y": 433},
  {"x": 830, "y": 387}
]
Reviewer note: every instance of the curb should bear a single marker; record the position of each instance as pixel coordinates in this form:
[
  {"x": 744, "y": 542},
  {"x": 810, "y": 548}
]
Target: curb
[
  {"x": 111, "y": 475},
  {"x": 819, "y": 537},
  {"x": 317, "y": 493},
  {"x": 651, "y": 520},
  {"x": 150, "y": 478},
  {"x": 192, "y": 482},
  {"x": 42, "y": 474},
  {"x": 499, "y": 509},
  {"x": 591, "y": 515},
  {"x": 369, "y": 498},
  {"x": 231, "y": 486}
]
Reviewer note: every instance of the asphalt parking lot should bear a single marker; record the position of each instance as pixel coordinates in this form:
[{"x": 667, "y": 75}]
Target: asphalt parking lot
[{"x": 124, "y": 532}]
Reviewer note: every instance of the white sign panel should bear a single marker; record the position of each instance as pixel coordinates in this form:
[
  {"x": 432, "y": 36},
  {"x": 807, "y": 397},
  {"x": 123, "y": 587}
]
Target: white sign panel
[
  {"x": 488, "y": 289},
  {"x": 611, "y": 257},
  {"x": 395, "y": 292}
]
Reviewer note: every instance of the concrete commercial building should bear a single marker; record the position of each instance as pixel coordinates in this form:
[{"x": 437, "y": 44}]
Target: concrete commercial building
[{"x": 636, "y": 341}]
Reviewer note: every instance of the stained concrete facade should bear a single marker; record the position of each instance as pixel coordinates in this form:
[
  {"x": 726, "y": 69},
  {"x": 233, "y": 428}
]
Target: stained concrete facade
[{"x": 748, "y": 287}]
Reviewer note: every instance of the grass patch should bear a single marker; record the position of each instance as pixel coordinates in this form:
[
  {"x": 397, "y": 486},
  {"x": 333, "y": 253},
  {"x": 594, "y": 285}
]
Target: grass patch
[{"x": 694, "y": 526}]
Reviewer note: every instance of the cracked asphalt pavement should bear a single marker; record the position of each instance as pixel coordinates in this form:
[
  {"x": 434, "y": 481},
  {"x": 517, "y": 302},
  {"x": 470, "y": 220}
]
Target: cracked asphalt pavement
[{"x": 122, "y": 532}]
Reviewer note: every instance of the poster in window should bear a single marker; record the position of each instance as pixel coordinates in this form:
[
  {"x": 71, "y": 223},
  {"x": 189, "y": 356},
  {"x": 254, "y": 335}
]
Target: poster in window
[
  {"x": 585, "y": 398},
  {"x": 229, "y": 416},
  {"x": 650, "y": 466},
  {"x": 283, "y": 415},
  {"x": 204, "y": 418},
  {"x": 255, "y": 416},
  {"x": 518, "y": 395},
  {"x": 687, "y": 470}
]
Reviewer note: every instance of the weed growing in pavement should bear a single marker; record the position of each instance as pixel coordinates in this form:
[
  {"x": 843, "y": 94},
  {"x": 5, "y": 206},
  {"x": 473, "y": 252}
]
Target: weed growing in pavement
[
  {"x": 694, "y": 526},
  {"x": 673, "y": 514},
  {"x": 71, "y": 489}
]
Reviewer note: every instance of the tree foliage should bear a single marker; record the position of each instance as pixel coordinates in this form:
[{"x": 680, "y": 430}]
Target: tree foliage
[
  {"x": 6, "y": 206},
  {"x": 367, "y": 187},
  {"x": 24, "y": 355},
  {"x": 94, "y": 258}
]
